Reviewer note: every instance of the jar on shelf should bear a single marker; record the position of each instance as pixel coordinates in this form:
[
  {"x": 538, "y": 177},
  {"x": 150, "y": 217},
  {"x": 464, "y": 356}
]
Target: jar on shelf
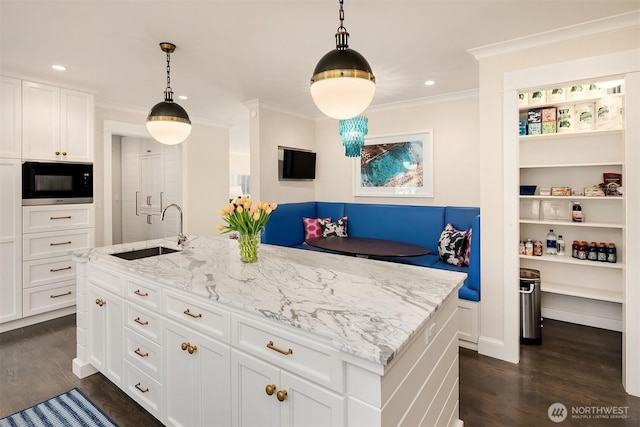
[
  {"x": 574, "y": 249},
  {"x": 582, "y": 250},
  {"x": 592, "y": 255},
  {"x": 612, "y": 255},
  {"x": 537, "y": 248},
  {"x": 602, "y": 252},
  {"x": 528, "y": 247}
]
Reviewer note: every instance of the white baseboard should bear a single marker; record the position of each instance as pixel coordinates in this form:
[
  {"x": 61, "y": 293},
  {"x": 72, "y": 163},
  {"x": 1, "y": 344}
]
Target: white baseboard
[
  {"x": 582, "y": 319},
  {"x": 38, "y": 318}
]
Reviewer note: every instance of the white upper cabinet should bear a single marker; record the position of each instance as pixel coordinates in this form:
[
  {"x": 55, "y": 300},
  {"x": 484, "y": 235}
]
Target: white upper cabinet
[
  {"x": 57, "y": 124},
  {"x": 10, "y": 118}
]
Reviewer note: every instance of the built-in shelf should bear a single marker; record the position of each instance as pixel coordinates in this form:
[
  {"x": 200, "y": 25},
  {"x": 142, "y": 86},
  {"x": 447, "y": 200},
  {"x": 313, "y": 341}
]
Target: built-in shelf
[
  {"x": 565, "y": 102},
  {"x": 574, "y": 291},
  {"x": 568, "y": 135},
  {"x": 571, "y": 165},
  {"x": 573, "y": 224},
  {"x": 568, "y": 259},
  {"x": 599, "y": 198}
]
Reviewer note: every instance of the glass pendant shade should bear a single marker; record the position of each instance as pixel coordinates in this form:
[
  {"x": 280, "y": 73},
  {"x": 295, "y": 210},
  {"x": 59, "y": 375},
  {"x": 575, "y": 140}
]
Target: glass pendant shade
[
  {"x": 343, "y": 84},
  {"x": 352, "y": 132},
  {"x": 168, "y": 123}
]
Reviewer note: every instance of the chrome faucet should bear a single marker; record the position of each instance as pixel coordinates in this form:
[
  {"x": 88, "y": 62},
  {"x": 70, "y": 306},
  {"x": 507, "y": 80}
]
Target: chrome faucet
[{"x": 181, "y": 237}]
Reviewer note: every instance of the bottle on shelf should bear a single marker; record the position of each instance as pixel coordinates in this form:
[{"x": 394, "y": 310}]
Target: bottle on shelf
[
  {"x": 522, "y": 249},
  {"x": 537, "y": 248},
  {"x": 528, "y": 247},
  {"x": 582, "y": 250},
  {"x": 612, "y": 255},
  {"x": 552, "y": 243},
  {"x": 560, "y": 246},
  {"x": 602, "y": 252},
  {"x": 576, "y": 212},
  {"x": 592, "y": 255},
  {"x": 574, "y": 249}
]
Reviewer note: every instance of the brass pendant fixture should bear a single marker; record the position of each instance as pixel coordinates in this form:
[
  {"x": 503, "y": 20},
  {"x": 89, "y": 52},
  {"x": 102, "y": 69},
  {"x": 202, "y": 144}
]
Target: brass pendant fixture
[{"x": 167, "y": 122}]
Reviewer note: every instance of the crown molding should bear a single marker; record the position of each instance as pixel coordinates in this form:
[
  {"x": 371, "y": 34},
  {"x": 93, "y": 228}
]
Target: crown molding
[
  {"x": 257, "y": 104},
  {"x": 585, "y": 29}
]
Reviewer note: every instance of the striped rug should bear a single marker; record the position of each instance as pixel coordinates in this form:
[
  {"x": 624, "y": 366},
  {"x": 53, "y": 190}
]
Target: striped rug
[{"x": 70, "y": 409}]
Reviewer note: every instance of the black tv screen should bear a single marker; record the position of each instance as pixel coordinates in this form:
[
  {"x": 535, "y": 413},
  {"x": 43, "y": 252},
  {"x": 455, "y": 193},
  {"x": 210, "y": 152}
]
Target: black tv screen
[{"x": 298, "y": 164}]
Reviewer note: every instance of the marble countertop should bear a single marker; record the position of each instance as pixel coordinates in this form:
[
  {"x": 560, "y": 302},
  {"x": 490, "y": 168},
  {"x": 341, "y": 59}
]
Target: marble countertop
[{"x": 365, "y": 307}]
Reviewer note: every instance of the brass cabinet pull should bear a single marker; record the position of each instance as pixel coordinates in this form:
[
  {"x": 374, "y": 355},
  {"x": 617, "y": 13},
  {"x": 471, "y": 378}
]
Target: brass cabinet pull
[
  {"x": 195, "y": 316},
  {"x": 100, "y": 302},
  {"x": 144, "y": 390},
  {"x": 53, "y": 270},
  {"x": 270, "y": 389},
  {"x": 281, "y": 395},
  {"x": 137, "y": 292},
  {"x": 143, "y": 323},
  {"x": 137, "y": 213},
  {"x": 190, "y": 348},
  {"x": 148, "y": 200},
  {"x": 64, "y": 153},
  {"x": 60, "y": 217},
  {"x": 61, "y": 243},
  {"x": 60, "y": 295},
  {"x": 140, "y": 353},
  {"x": 274, "y": 348}
]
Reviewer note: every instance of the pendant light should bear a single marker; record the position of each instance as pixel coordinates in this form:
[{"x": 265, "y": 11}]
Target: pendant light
[
  {"x": 342, "y": 85},
  {"x": 352, "y": 132},
  {"x": 167, "y": 122}
]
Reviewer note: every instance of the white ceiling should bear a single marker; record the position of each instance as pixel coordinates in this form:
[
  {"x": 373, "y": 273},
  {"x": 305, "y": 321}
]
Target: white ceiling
[{"x": 232, "y": 51}]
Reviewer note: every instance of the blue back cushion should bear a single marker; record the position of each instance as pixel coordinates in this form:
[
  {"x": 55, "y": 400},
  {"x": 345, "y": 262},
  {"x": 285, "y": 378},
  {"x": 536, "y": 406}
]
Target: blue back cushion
[
  {"x": 410, "y": 224},
  {"x": 460, "y": 218},
  {"x": 285, "y": 227},
  {"x": 332, "y": 210}
]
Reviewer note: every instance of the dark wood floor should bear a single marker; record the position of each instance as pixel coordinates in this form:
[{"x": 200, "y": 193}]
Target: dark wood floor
[{"x": 577, "y": 366}]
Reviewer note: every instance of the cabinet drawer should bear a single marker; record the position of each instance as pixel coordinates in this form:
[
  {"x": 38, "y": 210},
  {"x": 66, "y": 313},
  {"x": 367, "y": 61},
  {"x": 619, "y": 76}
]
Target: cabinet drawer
[
  {"x": 144, "y": 294},
  {"x": 47, "y": 271},
  {"x": 46, "y": 298},
  {"x": 143, "y": 389},
  {"x": 143, "y": 354},
  {"x": 198, "y": 315},
  {"x": 144, "y": 322},
  {"x": 55, "y": 217},
  {"x": 55, "y": 243},
  {"x": 292, "y": 352},
  {"x": 106, "y": 279}
]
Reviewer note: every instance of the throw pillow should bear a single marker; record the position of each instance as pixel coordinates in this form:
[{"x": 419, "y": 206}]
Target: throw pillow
[
  {"x": 451, "y": 245},
  {"x": 337, "y": 229},
  {"x": 312, "y": 227},
  {"x": 467, "y": 251}
]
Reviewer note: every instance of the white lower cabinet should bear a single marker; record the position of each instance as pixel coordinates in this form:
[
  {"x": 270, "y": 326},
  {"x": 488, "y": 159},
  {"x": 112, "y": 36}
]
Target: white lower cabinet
[
  {"x": 264, "y": 395},
  {"x": 196, "y": 378},
  {"x": 106, "y": 351}
]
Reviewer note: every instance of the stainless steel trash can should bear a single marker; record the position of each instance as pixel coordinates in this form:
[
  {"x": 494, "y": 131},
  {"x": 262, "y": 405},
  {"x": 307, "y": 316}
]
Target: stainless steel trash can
[{"x": 530, "y": 312}]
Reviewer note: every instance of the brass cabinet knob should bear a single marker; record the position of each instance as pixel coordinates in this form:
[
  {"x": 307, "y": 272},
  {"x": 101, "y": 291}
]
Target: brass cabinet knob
[
  {"x": 270, "y": 389},
  {"x": 184, "y": 346},
  {"x": 57, "y": 153},
  {"x": 64, "y": 153},
  {"x": 281, "y": 395},
  {"x": 192, "y": 348},
  {"x": 100, "y": 302}
]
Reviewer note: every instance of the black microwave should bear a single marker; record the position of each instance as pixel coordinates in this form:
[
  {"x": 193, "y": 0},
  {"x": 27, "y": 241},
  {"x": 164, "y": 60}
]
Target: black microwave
[{"x": 56, "y": 183}]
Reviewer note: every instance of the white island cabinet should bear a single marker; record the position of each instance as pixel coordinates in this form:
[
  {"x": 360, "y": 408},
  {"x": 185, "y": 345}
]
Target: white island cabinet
[{"x": 299, "y": 338}]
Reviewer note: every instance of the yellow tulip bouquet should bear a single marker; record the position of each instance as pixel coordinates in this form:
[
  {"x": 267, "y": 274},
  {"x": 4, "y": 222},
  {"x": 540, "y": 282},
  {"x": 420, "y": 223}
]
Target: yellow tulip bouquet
[{"x": 248, "y": 220}]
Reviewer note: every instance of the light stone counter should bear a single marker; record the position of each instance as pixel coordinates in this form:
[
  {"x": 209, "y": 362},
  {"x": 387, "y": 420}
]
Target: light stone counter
[{"x": 366, "y": 308}]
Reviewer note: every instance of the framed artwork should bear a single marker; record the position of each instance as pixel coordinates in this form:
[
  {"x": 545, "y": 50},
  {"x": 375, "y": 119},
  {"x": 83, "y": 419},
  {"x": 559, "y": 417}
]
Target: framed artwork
[{"x": 399, "y": 165}]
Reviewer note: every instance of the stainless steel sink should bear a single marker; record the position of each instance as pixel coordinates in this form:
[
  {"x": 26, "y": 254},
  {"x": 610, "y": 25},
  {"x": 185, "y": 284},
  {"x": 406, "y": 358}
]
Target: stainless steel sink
[{"x": 145, "y": 253}]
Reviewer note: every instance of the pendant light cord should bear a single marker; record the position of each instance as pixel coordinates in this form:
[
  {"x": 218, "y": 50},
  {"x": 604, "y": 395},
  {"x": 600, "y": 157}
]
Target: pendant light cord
[
  {"x": 342, "y": 36},
  {"x": 168, "y": 93}
]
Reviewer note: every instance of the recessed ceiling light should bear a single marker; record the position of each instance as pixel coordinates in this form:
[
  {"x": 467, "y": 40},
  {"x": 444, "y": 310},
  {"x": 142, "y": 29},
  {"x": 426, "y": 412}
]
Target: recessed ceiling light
[
  {"x": 429, "y": 83},
  {"x": 59, "y": 67},
  {"x": 183, "y": 97}
]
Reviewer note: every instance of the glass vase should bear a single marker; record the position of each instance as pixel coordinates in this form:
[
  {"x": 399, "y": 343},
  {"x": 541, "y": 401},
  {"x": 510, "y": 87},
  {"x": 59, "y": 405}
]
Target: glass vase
[{"x": 249, "y": 247}]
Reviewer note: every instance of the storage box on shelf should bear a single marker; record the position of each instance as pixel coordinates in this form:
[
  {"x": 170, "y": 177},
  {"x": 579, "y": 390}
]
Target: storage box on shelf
[{"x": 588, "y": 142}]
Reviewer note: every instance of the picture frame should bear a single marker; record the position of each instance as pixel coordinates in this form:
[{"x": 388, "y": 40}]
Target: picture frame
[{"x": 395, "y": 165}]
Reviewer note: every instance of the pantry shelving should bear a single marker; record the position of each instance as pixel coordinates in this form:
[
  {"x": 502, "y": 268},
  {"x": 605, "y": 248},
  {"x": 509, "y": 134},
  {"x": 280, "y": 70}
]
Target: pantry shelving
[{"x": 576, "y": 159}]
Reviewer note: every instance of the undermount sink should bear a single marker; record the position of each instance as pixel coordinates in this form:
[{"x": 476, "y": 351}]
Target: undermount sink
[{"x": 145, "y": 253}]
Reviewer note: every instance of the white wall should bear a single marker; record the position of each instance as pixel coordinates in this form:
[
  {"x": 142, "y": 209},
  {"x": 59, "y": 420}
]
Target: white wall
[{"x": 454, "y": 121}]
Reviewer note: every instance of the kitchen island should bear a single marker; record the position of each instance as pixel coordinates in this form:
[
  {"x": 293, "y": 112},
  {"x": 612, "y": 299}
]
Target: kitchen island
[{"x": 299, "y": 338}]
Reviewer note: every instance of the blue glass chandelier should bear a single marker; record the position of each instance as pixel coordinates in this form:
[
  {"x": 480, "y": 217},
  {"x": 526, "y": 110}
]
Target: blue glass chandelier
[{"x": 352, "y": 132}]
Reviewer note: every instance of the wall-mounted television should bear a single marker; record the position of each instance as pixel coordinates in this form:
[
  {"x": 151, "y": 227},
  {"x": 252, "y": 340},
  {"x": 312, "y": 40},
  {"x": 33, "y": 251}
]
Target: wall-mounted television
[{"x": 297, "y": 164}]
